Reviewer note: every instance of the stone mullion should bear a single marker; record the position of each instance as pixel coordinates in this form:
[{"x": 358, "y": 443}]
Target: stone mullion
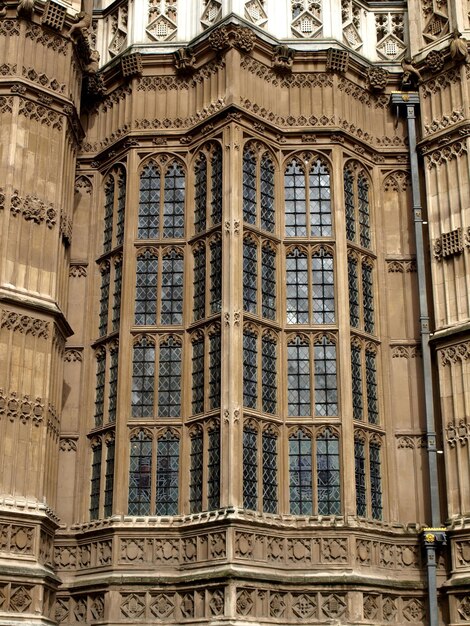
[
  {"x": 343, "y": 355},
  {"x": 121, "y": 455},
  {"x": 232, "y": 329}
]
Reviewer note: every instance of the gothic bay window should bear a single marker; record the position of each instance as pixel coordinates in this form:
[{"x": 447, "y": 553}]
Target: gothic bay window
[
  {"x": 264, "y": 473},
  {"x": 310, "y": 289},
  {"x": 206, "y": 367},
  {"x": 258, "y": 187},
  {"x": 314, "y": 464},
  {"x": 159, "y": 271},
  {"x": 114, "y": 208},
  {"x": 259, "y": 392},
  {"x": 167, "y": 352},
  {"x": 364, "y": 380},
  {"x": 154, "y": 473},
  {"x": 161, "y": 200},
  {"x": 208, "y": 187},
  {"x": 307, "y": 194},
  {"x": 357, "y": 205},
  {"x": 367, "y": 452},
  {"x": 204, "y": 467},
  {"x": 307, "y": 355},
  {"x": 95, "y": 479},
  {"x": 361, "y": 292}
]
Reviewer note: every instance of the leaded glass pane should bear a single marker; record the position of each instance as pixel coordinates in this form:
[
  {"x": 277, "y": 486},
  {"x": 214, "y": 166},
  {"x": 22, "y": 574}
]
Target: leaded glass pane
[
  {"x": 349, "y": 205},
  {"x": 328, "y": 474},
  {"x": 298, "y": 379},
  {"x": 172, "y": 288},
  {"x": 104, "y": 302},
  {"x": 320, "y": 200},
  {"x": 168, "y": 454},
  {"x": 326, "y": 389},
  {"x": 323, "y": 288},
  {"x": 200, "y": 194},
  {"x": 213, "y": 470},
  {"x": 109, "y": 480},
  {"x": 216, "y": 277},
  {"x": 149, "y": 203},
  {"x": 99, "y": 390},
  {"x": 250, "y": 469},
  {"x": 300, "y": 474},
  {"x": 173, "y": 208},
  {"x": 249, "y": 187},
  {"x": 216, "y": 185},
  {"x": 267, "y": 193},
  {"x": 269, "y": 442},
  {"x": 268, "y": 375},
  {"x": 121, "y": 207},
  {"x": 95, "y": 483},
  {"x": 268, "y": 283},
  {"x": 214, "y": 371},
  {"x": 143, "y": 379},
  {"x": 353, "y": 285},
  {"x": 297, "y": 287},
  {"x": 108, "y": 214},
  {"x": 295, "y": 198},
  {"x": 140, "y": 473},
  {"x": 198, "y": 376},
  {"x": 360, "y": 473},
  {"x": 169, "y": 379},
  {"x": 375, "y": 481},
  {"x": 146, "y": 289},
  {"x": 113, "y": 380},
  {"x": 250, "y": 276},
  {"x": 371, "y": 384},
  {"x": 250, "y": 370},
  {"x": 195, "y": 474},
  {"x": 117, "y": 294},
  {"x": 368, "y": 298},
  {"x": 356, "y": 371},
  {"x": 364, "y": 211},
  {"x": 199, "y": 282}
]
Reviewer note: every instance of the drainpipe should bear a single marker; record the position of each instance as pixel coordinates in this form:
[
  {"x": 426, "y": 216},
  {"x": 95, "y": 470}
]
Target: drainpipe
[{"x": 434, "y": 536}]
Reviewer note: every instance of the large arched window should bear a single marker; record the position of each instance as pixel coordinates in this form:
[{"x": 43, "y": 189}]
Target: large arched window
[
  {"x": 258, "y": 187},
  {"x": 208, "y": 187},
  {"x": 357, "y": 205}
]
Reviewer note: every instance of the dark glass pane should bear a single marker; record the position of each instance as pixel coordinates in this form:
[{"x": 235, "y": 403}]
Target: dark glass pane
[
  {"x": 104, "y": 301},
  {"x": 295, "y": 196},
  {"x": 200, "y": 194},
  {"x": 323, "y": 288},
  {"x": 113, "y": 380},
  {"x": 298, "y": 379},
  {"x": 121, "y": 206},
  {"x": 169, "y": 379},
  {"x": 216, "y": 185},
  {"x": 368, "y": 298},
  {"x": 375, "y": 481},
  {"x": 328, "y": 474},
  {"x": 249, "y": 187},
  {"x": 326, "y": 390},
  {"x": 99, "y": 390},
  {"x": 173, "y": 208},
  {"x": 269, "y": 375},
  {"x": 146, "y": 289},
  {"x": 199, "y": 282},
  {"x": 117, "y": 295},
  {"x": 356, "y": 371},
  {"x": 214, "y": 370},
  {"x": 250, "y": 276},
  {"x": 140, "y": 473},
  {"x": 195, "y": 474},
  {"x": 250, "y": 370},
  {"x": 213, "y": 470},
  {"x": 168, "y": 453},
  {"x": 149, "y": 203},
  {"x": 353, "y": 285},
  {"x": 371, "y": 384},
  {"x": 198, "y": 376},
  {"x": 364, "y": 212},
  {"x": 320, "y": 201},
  {"x": 267, "y": 193},
  {"x": 300, "y": 474},
  {"x": 360, "y": 471},
  {"x": 109, "y": 480},
  {"x": 349, "y": 205},
  {"x": 95, "y": 483},
  {"x": 250, "y": 469},
  {"x": 297, "y": 288},
  {"x": 108, "y": 214},
  {"x": 268, "y": 283},
  {"x": 172, "y": 288},
  {"x": 216, "y": 277},
  {"x": 269, "y": 441},
  {"x": 143, "y": 379}
]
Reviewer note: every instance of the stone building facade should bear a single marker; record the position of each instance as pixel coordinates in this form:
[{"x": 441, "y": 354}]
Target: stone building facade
[{"x": 235, "y": 313}]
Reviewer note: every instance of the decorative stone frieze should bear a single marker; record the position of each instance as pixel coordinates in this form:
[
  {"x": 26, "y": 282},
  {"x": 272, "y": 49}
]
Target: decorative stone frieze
[
  {"x": 405, "y": 351},
  {"x": 404, "y": 266},
  {"x": 24, "y": 324},
  {"x": 455, "y": 353},
  {"x": 458, "y": 433},
  {"x": 40, "y": 36},
  {"x": 33, "y": 209}
]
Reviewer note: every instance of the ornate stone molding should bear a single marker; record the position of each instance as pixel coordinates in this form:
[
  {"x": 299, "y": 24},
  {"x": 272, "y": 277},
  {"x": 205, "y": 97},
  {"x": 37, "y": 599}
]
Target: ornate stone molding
[
  {"x": 68, "y": 444},
  {"x": 292, "y": 80},
  {"x": 411, "y": 442},
  {"x": 16, "y": 406},
  {"x": 458, "y": 433},
  {"x": 40, "y": 113},
  {"x": 444, "y": 122},
  {"x": 33, "y": 209},
  {"x": 43, "y": 80},
  {"x": 397, "y": 181},
  {"x": 405, "y": 351},
  {"x": 78, "y": 270},
  {"x": 441, "y": 82},
  {"x": 402, "y": 266},
  {"x": 169, "y": 83},
  {"x": 73, "y": 355},
  {"x": 54, "y": 42},
  {"x": 236, "y": 36},
  {"x": 454, "y": 354},
  {"x": 25, "y": 324},
  {"x": 17, "y": 539},
  {"x": 83, "y": 183}
]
